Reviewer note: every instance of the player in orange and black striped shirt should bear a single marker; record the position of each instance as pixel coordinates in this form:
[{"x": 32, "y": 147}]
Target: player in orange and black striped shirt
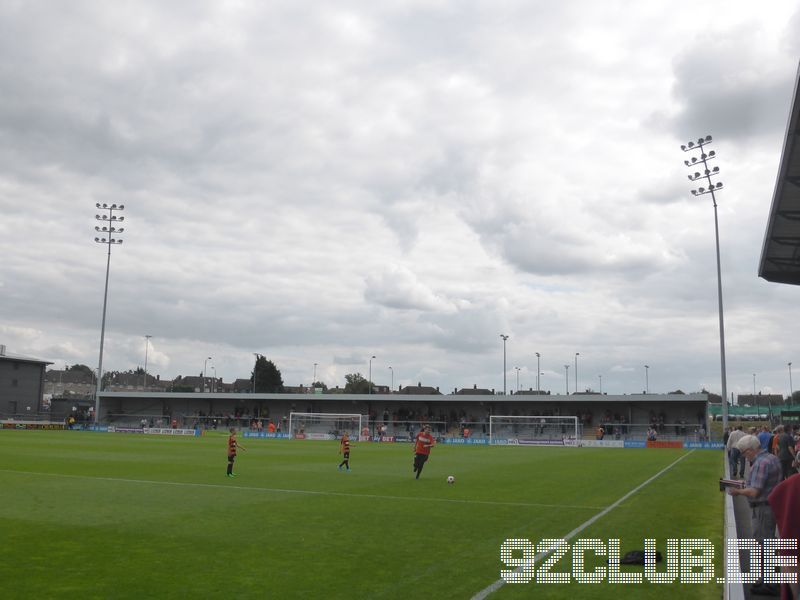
[
  {"x": 233, "y": 445},
  {"x": 344, "y": 450}
]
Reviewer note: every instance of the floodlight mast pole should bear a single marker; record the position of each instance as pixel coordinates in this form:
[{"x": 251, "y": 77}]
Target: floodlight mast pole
[
  {"x": 707, "y": 174},
  {"x": 110, "y": 231},
  {"x": 505, "y": 339}
]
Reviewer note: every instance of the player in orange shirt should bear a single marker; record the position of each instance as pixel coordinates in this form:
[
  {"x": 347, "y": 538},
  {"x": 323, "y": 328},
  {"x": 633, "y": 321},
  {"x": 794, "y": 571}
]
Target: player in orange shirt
[
  {"x": 422, "y": 448},
  {"x": 233, "y": 446},
  {"x": 344, "y": 450}
]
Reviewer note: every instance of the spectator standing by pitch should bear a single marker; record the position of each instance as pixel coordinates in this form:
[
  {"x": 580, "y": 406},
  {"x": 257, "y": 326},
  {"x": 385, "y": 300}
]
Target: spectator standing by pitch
[
  {"x": 735, "y": 457},
  {"x": 785, "y": 451},
  {"x": 422, "y": 448},
  {"x": 765, "y": 474}
]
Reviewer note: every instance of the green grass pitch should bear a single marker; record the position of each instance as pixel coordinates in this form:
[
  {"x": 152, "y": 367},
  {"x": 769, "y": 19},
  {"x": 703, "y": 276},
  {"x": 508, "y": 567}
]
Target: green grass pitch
[{"x": 94, "y": 515}]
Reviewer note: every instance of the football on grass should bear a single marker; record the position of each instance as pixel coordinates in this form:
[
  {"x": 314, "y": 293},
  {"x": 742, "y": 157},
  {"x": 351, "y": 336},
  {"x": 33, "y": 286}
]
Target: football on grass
[{"x": 451, "y": 479}]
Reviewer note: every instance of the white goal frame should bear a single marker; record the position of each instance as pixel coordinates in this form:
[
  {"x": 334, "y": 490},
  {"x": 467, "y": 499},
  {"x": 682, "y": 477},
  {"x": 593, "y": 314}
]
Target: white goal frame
[
  {"x": 571, "y": 437},
  {"x": 326, "y": 416}
]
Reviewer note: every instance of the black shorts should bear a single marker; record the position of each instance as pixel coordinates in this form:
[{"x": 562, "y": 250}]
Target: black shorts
[
  {"x": 231, "y": 458},
  {"x": 420, "y": 459},
  {"x": 346, "y": 455}
]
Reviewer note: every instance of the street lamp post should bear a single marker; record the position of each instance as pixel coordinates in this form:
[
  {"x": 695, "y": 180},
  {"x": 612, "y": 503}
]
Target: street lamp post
[
  {"x": 314, "y": 379},
  {"x": 647, "y": 379},
  {"x": 391, "y": 389},
  {"x": 707, "y": 174},
  {"x": 205, "y": 363},
  {"x": 577, "y": 354},
  {"x": 518, "y": 370},
  {"x": 601, "y": 384},
  {"x": 146, "y": 347},
  {"x": 110, "y": 230},
  {"x": 791, "y": 388},
  {"x": 538, "y": 372},
  {"x": 754, "y": 385},
  {"x": 505, "y": 339},
  {"x": 566, "y": 378},
  {"x": 370, "y": 375},
  {"x": 214, "y": 381}
]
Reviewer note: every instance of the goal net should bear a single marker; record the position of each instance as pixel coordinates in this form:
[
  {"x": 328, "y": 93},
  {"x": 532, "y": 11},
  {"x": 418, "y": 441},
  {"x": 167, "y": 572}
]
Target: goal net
[
  {"x": 326, "y": 426},
  {"x": 535, "y": 430}
]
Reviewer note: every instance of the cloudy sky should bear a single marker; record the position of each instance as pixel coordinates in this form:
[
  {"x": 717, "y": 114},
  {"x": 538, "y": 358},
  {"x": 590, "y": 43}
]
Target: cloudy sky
[{"x": 323, "y": 182}]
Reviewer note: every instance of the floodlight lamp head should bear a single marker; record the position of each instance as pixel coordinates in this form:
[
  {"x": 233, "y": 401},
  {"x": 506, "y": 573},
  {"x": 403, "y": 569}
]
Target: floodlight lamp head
[
  {"x": 121, "y": 229},
  {"x": 97, "y": 204},
  {"x": 691, "y": 144},
  {"x": 683, "y": 147},
  {"x": 707, "y": 172},
  {"x": 715, "y": 170},
  {"x": 97, "y": 239},
  {"x": 703, "y": 156},
  {"x": 701, "y": 190},
  {"x": 696, "y": 174},
  {"x": 719, "y": 185},
  {"x": 690, "y": 178},
  {"x": 708, "y": 138},
  {"x": 122, "y": 207},
  {"x": 121, "y": 218},
  {"x": 712, "y": 153},
  {"x": 694, "y": 159},
  {"x": 687, "y": 163},
  {"x": 694, "y": 192},
  {"x": 700, "y": 140}
]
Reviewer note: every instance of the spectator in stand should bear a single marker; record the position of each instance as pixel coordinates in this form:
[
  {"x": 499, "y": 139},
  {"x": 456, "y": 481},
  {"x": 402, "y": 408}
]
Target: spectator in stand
[
  {"x": 271, "y": 427},
  {"x": 651, "y": 434},
  {"x": 765, "y": 474},
  {"x": 735, "y": 458}
]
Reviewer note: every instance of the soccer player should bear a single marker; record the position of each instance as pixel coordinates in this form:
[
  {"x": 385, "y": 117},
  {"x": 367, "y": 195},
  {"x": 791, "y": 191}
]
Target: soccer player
[
  {"x": 344, "y": 450},
  {"x": 233, "y": 446},
  {"x": 422, "y": 448}
]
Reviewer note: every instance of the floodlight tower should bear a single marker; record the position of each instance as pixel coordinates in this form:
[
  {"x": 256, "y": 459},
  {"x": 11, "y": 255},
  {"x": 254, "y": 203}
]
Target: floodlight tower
[
  {"x": 710, "y": 188},
  {"x": 146, "y": 347},
  {"x": 109, "y": 230},
  {"x": 505, "y": 339}
]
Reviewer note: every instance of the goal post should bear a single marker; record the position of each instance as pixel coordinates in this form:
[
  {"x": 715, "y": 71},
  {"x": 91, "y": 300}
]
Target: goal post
[
  {"x": 322, "y": 426},
  {"x": 535, "y": 430}
]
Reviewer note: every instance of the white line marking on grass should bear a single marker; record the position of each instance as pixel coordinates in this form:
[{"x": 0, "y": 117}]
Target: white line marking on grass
[
  {"x": 500, "y": 582},
  {"x": 306, "y": 492}
]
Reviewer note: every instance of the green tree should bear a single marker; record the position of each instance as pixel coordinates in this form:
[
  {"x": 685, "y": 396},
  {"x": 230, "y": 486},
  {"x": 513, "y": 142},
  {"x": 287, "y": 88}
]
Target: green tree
[
  {"x": 356, "y": 384},
  {"x": 319, "y": 384},
  {"x": 83, "y": 369},
  {"x": 267, "y": 376}
]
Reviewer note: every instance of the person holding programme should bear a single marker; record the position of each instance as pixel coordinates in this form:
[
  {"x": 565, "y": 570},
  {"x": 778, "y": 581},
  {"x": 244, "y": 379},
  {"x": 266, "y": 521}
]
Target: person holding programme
[{"x": 765, "y": 474}]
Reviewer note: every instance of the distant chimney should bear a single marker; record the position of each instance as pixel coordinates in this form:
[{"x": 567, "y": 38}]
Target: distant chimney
[
  {"x": 2, "y": 349},
  {"x": 474, "y": 386}
]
